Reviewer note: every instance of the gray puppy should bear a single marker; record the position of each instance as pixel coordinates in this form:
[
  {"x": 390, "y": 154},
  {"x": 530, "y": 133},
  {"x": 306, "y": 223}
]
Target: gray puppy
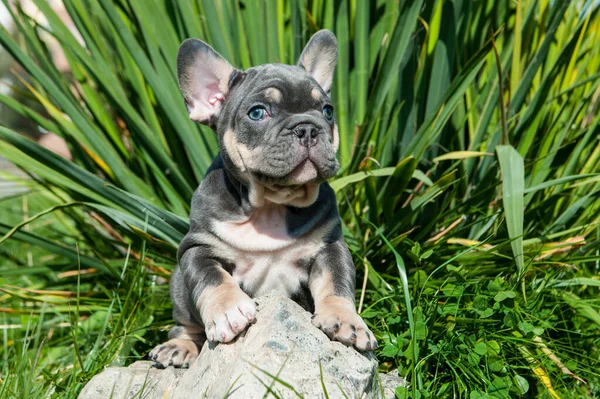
[{"x": 264, "y": 218}]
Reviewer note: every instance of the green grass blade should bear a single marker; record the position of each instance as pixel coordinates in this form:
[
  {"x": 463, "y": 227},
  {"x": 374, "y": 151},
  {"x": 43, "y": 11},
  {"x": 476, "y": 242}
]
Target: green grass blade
[{"x": 513, "y": 187}]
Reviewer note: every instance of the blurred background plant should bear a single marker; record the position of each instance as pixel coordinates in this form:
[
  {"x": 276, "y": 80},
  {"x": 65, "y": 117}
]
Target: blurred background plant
[{"x": 469, "y": 182}]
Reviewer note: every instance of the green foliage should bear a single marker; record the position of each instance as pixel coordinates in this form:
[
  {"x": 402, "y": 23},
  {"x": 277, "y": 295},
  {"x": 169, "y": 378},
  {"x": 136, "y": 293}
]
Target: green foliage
[{"x": 469, "y": 184}]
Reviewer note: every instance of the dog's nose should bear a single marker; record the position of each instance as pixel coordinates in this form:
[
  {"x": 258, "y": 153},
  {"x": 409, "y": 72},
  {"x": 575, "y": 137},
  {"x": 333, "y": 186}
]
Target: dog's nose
[{"x": 307, "y": 133}]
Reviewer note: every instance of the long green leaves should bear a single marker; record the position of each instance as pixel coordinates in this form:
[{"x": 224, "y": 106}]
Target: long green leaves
[{"x": 513, "y": 187}]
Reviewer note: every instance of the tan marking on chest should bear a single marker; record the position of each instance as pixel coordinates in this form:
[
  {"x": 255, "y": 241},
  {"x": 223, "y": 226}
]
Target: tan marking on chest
[
  {"x": 277, "y": 271},
  {"x": 263, "y": 231},
  {"x": 266, "y": 258}
]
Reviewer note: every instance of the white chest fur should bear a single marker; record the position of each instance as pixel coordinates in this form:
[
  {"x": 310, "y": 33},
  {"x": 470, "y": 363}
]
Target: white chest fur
[
  {"x": 265, "y": 256},
  {"x": 263, "y": 231}
]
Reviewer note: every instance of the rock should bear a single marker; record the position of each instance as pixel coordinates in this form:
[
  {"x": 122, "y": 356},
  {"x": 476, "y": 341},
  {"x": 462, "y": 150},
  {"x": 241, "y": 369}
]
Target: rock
[
  {"x": 126, "y": 382},
  {"x": 389, "y": 382},
  {"x": 282, "y": 353}
]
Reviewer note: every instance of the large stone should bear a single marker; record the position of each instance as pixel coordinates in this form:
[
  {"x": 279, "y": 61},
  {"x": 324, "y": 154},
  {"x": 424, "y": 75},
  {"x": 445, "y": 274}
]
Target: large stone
[
  {"x": 129, "y": 382},
  {"x": 281, "y": 353}
]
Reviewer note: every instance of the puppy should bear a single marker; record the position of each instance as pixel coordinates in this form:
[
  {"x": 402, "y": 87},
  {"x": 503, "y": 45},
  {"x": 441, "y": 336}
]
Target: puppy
[{"x": 264, "y": 218}]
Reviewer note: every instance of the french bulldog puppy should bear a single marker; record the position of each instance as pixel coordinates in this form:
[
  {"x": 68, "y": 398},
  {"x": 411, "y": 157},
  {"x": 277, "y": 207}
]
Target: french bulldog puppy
[{"x": 264, "y": 218}]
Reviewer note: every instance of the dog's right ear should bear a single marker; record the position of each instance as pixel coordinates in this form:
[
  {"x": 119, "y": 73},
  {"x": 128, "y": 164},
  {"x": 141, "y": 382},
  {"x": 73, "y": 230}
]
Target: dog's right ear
[{"x": 204, "y": 78}]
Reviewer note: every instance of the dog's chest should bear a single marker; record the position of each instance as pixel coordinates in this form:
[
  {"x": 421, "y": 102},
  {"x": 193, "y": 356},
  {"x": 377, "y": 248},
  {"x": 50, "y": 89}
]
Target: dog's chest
[{"x": 265, "y": 256}]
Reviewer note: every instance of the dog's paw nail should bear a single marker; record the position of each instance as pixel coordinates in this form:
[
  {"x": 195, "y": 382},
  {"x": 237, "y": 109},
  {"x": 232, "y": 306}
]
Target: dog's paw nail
[
  {"x": 336, "y": 327},
  {"x": 187, "y": 365},
  {"x": 368, "y": 346},
  {"x": 175, "y": 353}
]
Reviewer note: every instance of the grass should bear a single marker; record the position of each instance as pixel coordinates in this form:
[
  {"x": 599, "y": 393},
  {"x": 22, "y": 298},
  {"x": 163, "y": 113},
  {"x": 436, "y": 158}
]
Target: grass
[{"x": 468, "y": 190}]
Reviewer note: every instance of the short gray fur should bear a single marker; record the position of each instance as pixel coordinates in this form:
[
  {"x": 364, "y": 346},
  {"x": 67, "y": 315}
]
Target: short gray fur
[{"x": 299, "y": 131}]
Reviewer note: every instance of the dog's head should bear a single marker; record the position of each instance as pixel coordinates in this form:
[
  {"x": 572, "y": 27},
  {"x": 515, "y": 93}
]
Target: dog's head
[{"x": 276, "y": 125}]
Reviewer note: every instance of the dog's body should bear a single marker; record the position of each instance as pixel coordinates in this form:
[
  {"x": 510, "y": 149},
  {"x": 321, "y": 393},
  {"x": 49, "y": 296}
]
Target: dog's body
[{"x": 263, "y": 218}]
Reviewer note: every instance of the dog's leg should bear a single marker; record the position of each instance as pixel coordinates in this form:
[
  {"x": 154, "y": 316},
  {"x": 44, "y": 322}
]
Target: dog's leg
[
  {"x": 181, "y": 349},
  {"x": 212, "y": 294},
  {"x": 207, "y": 302},
  {"x": 226, "y": 310},
  {"x": 331, "y": 283},
  {"x": 187, "y": 337}
]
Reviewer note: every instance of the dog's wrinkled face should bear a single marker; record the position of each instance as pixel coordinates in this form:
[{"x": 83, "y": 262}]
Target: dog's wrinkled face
[
  {"x": 281, "y": 127},
  {"x": 275, "y": 122}
]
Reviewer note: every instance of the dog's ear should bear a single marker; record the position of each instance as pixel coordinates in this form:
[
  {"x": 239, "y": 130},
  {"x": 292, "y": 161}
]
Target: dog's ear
[
  {"x": 204, "y": 78},
  {"x": 319, "y": 58}
]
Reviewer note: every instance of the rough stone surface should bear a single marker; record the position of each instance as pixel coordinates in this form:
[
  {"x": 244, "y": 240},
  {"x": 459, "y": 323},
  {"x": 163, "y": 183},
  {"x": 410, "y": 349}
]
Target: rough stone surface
[
  {"x": 128, "y": 382},
  {"x": 389, "y": 382},
  {"x": 281, "y": 350}
]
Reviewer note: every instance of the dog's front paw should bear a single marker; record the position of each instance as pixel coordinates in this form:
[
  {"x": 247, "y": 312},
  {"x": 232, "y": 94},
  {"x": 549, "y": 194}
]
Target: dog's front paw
[
  {"x": 175, "y": 352},
  {"x": 338, "y": 319},
  {"x": 227, "y": 312}
]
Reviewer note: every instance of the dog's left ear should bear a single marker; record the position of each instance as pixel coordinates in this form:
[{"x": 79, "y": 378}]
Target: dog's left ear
[{"x": 319, "y": 58}]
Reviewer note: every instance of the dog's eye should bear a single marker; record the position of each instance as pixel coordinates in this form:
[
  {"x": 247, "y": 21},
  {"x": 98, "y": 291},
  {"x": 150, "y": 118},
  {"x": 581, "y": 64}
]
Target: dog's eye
[
  {"x": 328, "y": 112},
  {"x": 257, "y": 113}
]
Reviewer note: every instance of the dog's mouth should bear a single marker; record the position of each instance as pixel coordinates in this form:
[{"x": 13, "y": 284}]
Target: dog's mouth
[{"x": 305, "y": 173}]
